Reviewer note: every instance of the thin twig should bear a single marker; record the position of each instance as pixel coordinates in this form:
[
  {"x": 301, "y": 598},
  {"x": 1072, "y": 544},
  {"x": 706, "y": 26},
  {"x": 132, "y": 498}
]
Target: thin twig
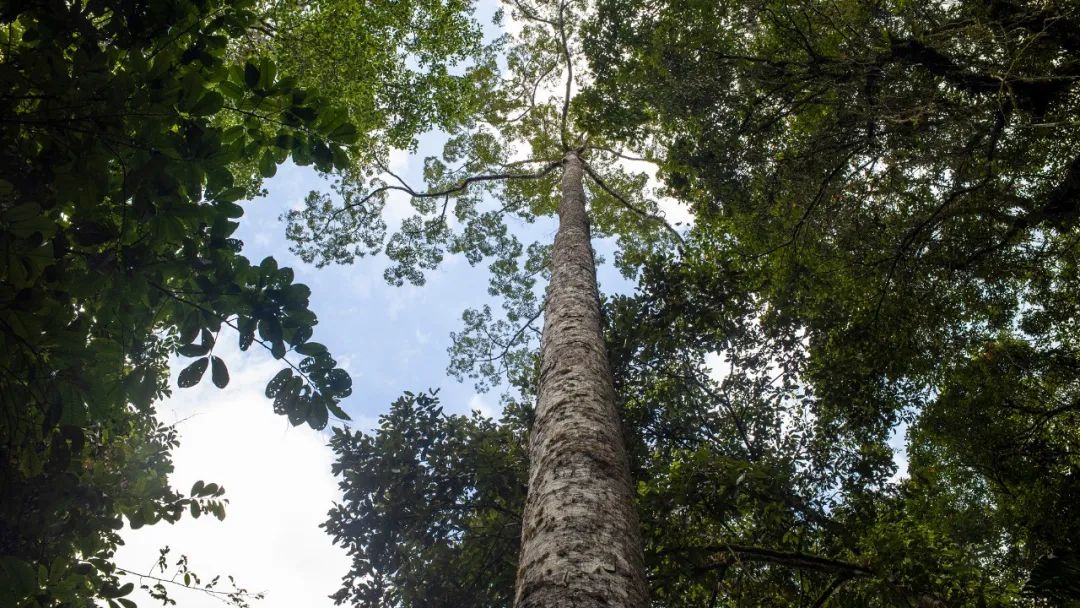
[
  {"x": 614, "y": 152},
  {"x": 794, "y": 559},
  {"x": 216, "y": 594}
]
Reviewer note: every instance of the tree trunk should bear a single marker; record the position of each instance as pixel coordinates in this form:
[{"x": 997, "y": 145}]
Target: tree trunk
[{"x": 580, "y": 542}]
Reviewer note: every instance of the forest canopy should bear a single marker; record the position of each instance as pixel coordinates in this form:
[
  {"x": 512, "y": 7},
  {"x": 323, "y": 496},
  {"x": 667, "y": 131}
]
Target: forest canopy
[{"x": 885, "y": 243}]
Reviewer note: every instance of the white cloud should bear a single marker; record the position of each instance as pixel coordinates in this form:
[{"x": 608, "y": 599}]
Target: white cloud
[
  {"x": 719, "y": 366},
  {"x": 676, "y": 212},
  {"x": 481, "y": 404},
  {"x": 277, "y": 479},
  {"x": 399, "y": 160}
]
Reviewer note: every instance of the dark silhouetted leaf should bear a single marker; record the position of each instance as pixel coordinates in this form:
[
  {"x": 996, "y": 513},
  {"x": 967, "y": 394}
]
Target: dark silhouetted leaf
[
  {"x": 191, "y": 374},
  {"x": 219, "y": 374}
]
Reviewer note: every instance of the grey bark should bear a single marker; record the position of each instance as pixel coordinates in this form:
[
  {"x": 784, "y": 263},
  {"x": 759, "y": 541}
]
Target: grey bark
[{"x": 580, "y": 545}]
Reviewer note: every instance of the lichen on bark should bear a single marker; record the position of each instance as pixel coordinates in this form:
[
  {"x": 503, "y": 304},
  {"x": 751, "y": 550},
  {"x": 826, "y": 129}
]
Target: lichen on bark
[{"x": 580, "y": 538}]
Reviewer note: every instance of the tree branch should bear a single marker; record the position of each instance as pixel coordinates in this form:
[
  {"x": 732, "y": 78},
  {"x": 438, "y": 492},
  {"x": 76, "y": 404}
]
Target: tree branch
[
  {"x": 829, "y": 591},
  {"x": 645, "y": 214},
  {"x": 225, "y": 597},
  {"x": 618, "y": 154},
  {"x": 460, "y": 187},
  {"x": 569, "y": 77},
  {"x": 793, "y": 559},
  {"x": 529, "y": 14}
]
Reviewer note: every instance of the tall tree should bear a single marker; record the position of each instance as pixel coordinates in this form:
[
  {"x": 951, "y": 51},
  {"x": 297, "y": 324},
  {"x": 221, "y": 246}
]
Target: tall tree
[
  {"x": 579, "y": 533},
  {"x": 580, "y": 542}
]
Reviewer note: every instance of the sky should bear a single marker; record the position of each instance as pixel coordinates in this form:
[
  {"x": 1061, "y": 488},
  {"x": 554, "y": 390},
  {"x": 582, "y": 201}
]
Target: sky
[{"x": 277, "y": 477}]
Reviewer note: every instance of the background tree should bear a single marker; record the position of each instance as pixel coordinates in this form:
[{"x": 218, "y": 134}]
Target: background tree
[{"x": 897, "y": 182}]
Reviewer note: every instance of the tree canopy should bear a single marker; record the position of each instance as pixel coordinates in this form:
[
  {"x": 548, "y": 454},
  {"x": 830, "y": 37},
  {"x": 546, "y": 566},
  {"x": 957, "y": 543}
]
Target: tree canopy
[
  {"x": 885, "y": 244},
  {"x": 131, "y": 132},
  {"x": 896, "y": 182}
]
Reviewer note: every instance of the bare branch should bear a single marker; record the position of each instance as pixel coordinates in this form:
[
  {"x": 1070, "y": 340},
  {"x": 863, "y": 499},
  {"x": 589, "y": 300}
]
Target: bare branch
[
  {"x": 802, "y": 561},
  {"x": 532, "y": 96},
  {"x": 459, "y": 187},
  {"x": 614, "y": 152},
  {"x": 529, "y": 14},
  {"x": 829, "y": 591},
  {"x": 569, "y": 77},
  {"x": 645, "y": 214}
]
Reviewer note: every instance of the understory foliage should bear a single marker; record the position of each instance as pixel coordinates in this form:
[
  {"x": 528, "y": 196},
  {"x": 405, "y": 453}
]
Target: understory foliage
[
  {"x": 885, "y": 247},
  {"x": 129, "y": 133}
]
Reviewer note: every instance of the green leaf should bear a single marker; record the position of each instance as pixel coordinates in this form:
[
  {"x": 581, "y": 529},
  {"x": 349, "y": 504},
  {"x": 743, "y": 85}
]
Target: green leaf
[
  {"x": 251, "y": 75},
  {"x": 193, "y": 350},
  {"x": 336, "y": 410},
  {"x": 339, "y": 382},
  {"x": 191, "y": 374},
  {"x": 323, "y": 157},
  {"x": 297, "y": 409},
  {"x": 346, "y": 133},
  {"x": 268, "y": 265},
  {"x": 209, "y": 103},
  {"x": 231, "y": 194},
  {"x": 110, "y": 592},
  {"x": 219, "y": 374},
  {"x": 231, "y": 210},
  {"x": 17, "y": 578},
  {"x": 246, "y": 327},
  {"x": 231, "y": 90},
  {"x": 317, "y": 415},
  {"x": 267, "y": 164},
  {"x": 267, "y": 71},
  {"x": 301, "y": 335}
]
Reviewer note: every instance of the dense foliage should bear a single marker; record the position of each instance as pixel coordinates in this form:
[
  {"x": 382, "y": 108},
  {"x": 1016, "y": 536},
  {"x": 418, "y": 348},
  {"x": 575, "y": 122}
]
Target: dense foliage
[
  {"x": 130, "y": 131},
  {"x": 896, "y": 186},
  {"x": 885, "y": 241},
  {"x": 432, "y": 507}
]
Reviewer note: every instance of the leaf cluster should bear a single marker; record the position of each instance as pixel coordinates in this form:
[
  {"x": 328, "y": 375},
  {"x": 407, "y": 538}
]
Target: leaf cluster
[{"x": 128, "y": 130}]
